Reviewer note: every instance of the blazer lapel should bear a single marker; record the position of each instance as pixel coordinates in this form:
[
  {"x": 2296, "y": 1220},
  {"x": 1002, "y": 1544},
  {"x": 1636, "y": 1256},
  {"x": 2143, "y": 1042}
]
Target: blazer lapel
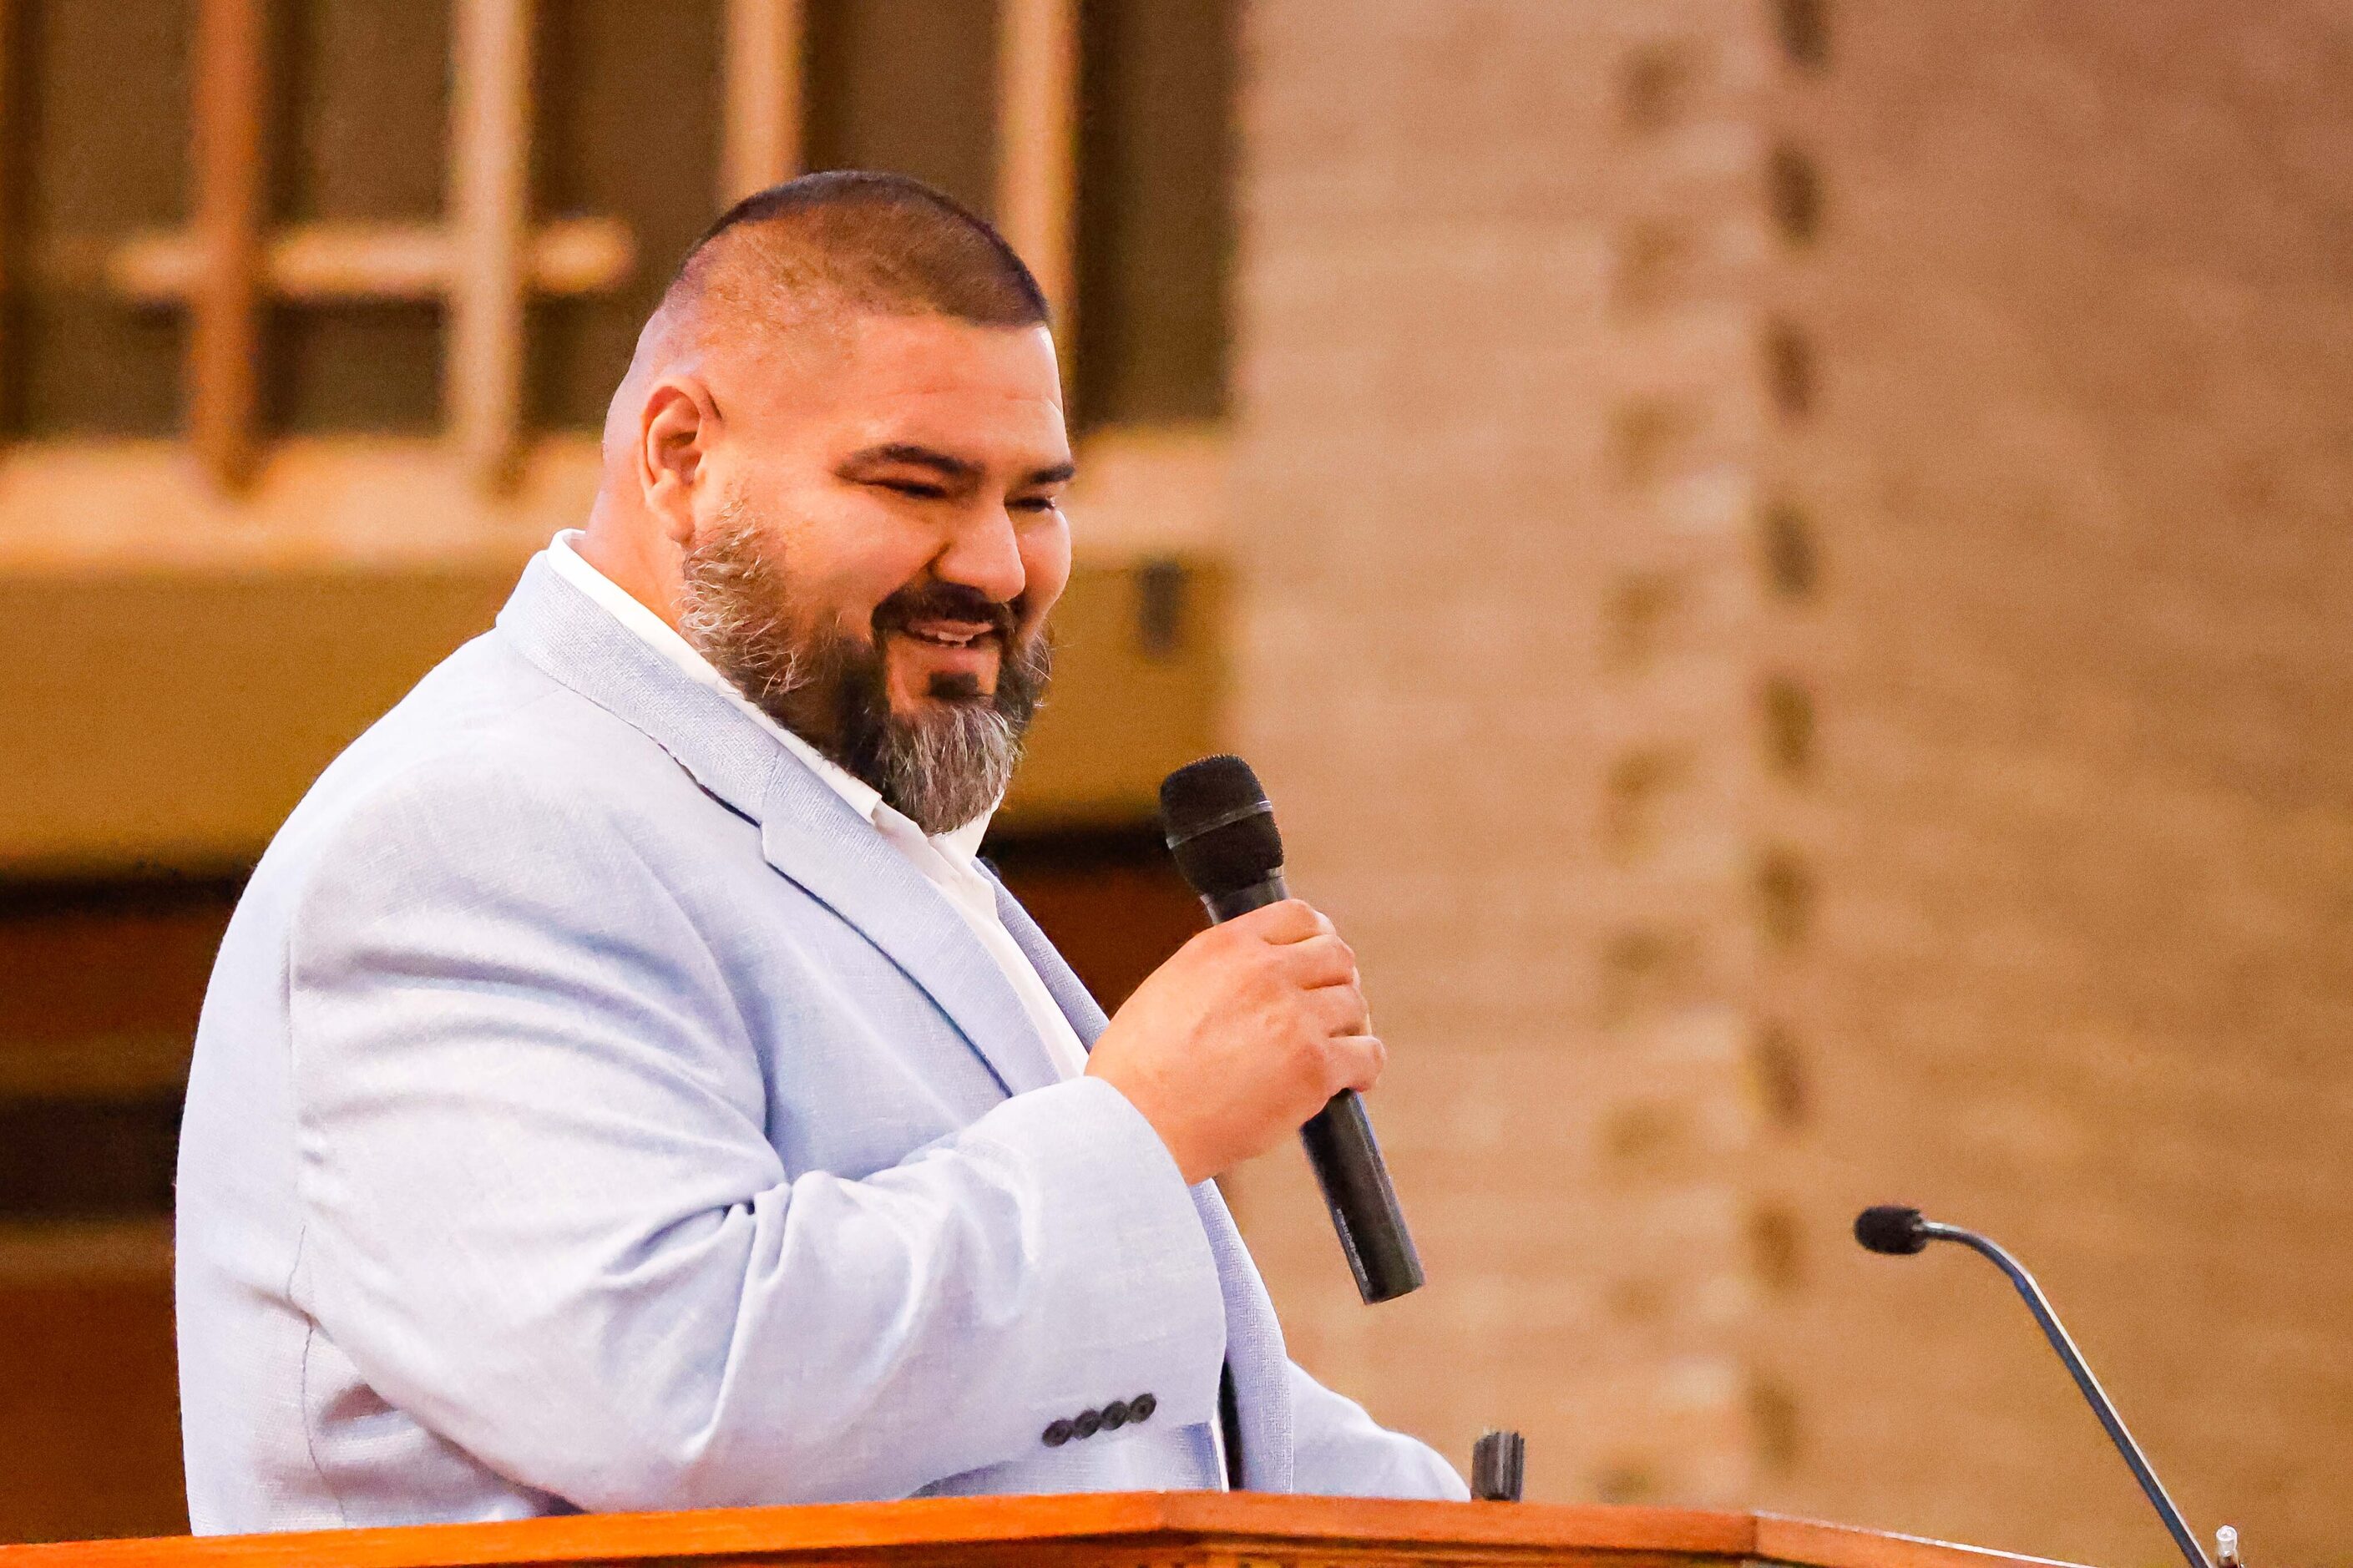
[
  {"x": 577, "y": 645},
  {"x": 1254, "y": 1346},
  {"x": 808, "y": 832},
  {"x": 1070, "y": 994},
  {"x": 811, "y": 834}
]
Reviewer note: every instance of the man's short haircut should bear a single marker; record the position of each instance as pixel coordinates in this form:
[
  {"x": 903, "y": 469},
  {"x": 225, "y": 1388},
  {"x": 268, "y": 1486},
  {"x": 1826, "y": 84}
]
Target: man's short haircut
[{"x": 856, "y": 240}]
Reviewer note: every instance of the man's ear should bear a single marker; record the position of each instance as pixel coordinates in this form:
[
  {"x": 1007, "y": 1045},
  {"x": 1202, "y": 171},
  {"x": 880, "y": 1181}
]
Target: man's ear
[{"x": 674, "y": 436}]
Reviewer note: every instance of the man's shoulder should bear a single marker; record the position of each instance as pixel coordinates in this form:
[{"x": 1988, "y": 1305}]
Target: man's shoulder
[{"x": 488, "y": 738}]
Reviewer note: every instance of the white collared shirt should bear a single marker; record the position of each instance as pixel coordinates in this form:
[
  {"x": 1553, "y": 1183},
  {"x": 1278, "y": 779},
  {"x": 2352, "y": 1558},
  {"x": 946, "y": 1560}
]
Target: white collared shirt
[{"x": 945, "y": 859}]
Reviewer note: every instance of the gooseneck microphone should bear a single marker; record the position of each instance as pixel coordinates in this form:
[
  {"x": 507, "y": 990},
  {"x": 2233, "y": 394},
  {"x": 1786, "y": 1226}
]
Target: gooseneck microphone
[
  {"x": 1221, "y": 830},
  {"x": 1900, "y": 1232}
]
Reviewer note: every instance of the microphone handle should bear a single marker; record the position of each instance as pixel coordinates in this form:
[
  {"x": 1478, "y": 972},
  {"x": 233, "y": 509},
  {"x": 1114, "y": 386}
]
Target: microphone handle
[{"x": 1346, "y": 1157}]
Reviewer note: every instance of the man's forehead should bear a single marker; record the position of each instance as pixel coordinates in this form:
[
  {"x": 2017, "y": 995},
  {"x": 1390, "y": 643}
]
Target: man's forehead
[
  {"x": 989, "y": 394},
  {"x": 922, "y": 355}
]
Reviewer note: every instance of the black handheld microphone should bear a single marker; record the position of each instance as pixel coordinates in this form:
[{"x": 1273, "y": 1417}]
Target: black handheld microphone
[
  {"x": 1900, "y": 1232},
  {"x": 1221, "y": 830}
]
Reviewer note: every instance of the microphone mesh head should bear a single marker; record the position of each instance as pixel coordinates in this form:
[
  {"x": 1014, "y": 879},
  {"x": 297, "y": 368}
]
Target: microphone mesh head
[
  {"x": 1890, "y": 1228},
  {"x": 1199, "y": 793},
  {"x": 1220, "y": 825}
]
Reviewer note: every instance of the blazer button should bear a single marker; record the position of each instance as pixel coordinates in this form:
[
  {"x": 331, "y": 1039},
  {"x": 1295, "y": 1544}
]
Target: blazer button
[
  {"x": 1088, "y": 1424},
  {"x": 1141, "y": 1407},
  {"x": 1055, "y": 1436},
  {"x": 1115, "y": 1415}
]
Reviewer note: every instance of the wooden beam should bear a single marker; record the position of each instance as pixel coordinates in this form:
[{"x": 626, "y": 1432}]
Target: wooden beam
[
  {"x": 223, "y": 365},
  {"x": 1037, "y": 168},
  {"x": 8, "y": 113},
  {"x": 108, "y": 1067},
  {"x": 375, "y": 502},
  {"x": 372, "y": 503},
  {"x": 382, "y": 502},
  {"x": 761, "y": 143},
  {"x": 84, "y": 1252},
  {"x": 313, "y": 262},
  {"x": 489, "y": 165}
]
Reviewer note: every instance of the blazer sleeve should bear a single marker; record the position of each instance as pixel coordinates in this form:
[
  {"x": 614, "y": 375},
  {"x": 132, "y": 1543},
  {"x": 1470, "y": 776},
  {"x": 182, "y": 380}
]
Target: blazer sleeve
[
  {"x": 541, "y": 1214},
  {"x": 1338, "y": 1450}
]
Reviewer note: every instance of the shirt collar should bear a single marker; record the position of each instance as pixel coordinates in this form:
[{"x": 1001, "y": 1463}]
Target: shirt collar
[
  {"x": 962, "y": 844},
  {"x": 966, "y": 840}
]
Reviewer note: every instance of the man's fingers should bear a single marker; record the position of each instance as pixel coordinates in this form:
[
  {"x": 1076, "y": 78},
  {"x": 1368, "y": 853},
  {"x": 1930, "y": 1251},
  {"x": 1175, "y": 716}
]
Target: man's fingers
[
  {"x": 1340, "y": 1010},
  {"x": 1318, "y": 961},
  {"x": 1356, "y": 1061},
  {"x": 1281, "y": 923}
]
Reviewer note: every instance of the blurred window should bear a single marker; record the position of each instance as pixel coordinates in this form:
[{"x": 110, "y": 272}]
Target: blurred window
[
  {"x": 358, "y": 132},
  {"x": 1098, "y": 132},
  {"x": 909, "y": 84},
  {"x": 95, "y": 147},
  {"x": 627, "y": 126},
  {"x": 1155, "y": 227}
]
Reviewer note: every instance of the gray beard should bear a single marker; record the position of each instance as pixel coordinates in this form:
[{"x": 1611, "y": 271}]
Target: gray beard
[{"x": 942, "y": 768}]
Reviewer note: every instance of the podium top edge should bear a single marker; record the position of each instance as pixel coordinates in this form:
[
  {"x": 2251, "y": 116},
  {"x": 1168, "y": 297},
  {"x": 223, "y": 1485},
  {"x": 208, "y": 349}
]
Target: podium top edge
[{"x": 881, "y": 1531}]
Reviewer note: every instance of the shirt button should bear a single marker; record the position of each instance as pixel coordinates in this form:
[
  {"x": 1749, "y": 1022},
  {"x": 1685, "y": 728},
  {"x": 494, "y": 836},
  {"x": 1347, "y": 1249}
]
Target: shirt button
[
  {"x": 1088, "y": 1424},
  {"x": 1055, "y": 1436},
  {"x": 1115, "y": 1415},
  {"x": 1141, "y": 1407}
]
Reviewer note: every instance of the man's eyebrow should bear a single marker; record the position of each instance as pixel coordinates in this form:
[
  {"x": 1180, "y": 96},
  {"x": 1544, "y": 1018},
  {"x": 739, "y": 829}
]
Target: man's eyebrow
[
  {"x": 904, "y": 453},
  {"x": 944, "y": 463}
]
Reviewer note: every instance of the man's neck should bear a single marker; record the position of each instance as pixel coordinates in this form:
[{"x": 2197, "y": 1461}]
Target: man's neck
[{"x": 637, "y": 561}]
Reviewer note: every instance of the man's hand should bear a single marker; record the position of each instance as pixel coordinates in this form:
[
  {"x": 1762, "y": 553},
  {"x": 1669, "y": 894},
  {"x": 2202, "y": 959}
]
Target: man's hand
[{"x": 1242, "y": 1037}]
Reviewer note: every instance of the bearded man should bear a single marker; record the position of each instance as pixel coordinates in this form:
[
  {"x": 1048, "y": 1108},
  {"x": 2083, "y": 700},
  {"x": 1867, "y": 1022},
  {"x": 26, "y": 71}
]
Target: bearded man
[{"x": 621, "y": 1088}]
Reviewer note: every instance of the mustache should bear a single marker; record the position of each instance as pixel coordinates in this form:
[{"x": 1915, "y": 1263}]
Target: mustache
[{"x": 946, "y": 602}]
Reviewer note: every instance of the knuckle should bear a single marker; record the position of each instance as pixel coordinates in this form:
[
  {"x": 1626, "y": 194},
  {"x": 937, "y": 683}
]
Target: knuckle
[
  {"x": 1302, "y": 1076},
  {"x": 1330, "y": 1061}
]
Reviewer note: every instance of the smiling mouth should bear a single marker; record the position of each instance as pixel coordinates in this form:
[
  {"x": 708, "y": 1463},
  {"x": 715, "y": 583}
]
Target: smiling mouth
[{"x": 949, "y": 635}]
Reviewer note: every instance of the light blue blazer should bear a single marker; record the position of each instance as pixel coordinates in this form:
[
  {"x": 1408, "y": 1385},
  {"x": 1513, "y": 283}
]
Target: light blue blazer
[{"x": 591, "y": 1110}]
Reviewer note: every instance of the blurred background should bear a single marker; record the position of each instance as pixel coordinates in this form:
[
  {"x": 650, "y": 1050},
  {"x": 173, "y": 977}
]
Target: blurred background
[{"x": 1786, "y": 562}]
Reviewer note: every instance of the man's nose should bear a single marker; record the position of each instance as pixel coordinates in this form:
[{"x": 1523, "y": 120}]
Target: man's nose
[{"x": 984, "y": 554}]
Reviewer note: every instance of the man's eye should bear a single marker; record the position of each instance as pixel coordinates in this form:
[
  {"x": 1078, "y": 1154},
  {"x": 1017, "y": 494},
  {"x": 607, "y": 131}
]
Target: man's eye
[
  {"x": 1037, "y": 503},
  {"x": 915, "y": 487}
]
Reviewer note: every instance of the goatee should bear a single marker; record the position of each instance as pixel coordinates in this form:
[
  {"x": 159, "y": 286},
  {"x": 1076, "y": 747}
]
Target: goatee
[{"x": 942, "y": 767}]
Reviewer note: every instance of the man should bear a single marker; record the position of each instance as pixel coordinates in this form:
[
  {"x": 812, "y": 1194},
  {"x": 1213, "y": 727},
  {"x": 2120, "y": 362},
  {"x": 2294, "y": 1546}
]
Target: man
[{"x": 620, "y": 1087}]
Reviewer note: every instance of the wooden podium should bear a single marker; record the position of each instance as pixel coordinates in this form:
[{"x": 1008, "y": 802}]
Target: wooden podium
[{"x": 1104, "y": 1529}]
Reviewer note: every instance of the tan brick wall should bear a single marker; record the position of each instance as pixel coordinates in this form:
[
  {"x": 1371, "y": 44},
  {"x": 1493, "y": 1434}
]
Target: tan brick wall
[
  {"x": 1495, "y": 441},
  {"x": 2082, "y": 817},
  {"x": 1791, "y": 603}
]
